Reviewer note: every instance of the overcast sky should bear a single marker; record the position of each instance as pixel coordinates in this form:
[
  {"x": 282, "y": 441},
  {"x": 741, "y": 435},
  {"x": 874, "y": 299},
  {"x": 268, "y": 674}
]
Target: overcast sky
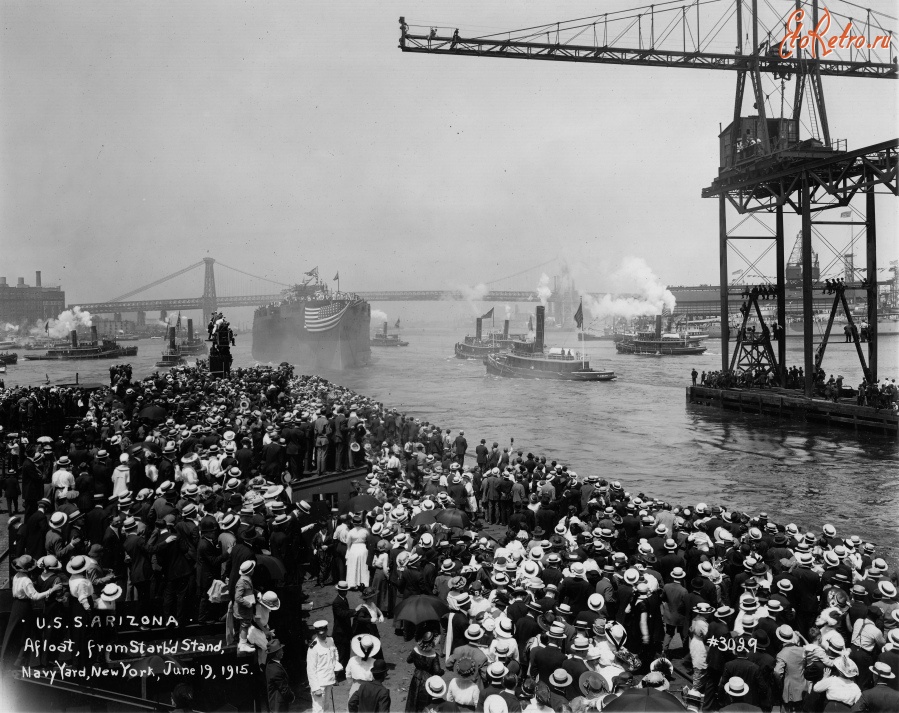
[{"x": 276, "y": 136}]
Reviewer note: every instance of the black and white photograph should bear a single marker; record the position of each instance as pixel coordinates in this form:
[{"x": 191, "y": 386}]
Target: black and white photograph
[{"x": 344, "y": 369}]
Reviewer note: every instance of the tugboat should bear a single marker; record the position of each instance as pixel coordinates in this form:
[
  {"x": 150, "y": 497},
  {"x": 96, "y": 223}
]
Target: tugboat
[
  {"x": 478, "y": 346},
  {"x": 95, "y": 349},
  {"x": 529, "y": 360},
  {"x": 382, "y": 339},
  {"x": 658, "y": 343},
  {"x": 172, "y": 355},
  {"x": 9, "y": 358},
  {"x": 193, "y": 344}
]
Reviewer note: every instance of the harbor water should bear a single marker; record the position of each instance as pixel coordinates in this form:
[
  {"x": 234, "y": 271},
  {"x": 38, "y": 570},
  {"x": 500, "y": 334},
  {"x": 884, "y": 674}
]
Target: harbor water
[{"x": 636, "y": 428}]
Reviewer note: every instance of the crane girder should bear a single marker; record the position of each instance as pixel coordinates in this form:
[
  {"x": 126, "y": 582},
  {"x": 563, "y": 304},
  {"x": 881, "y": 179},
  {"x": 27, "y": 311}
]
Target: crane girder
[{"x": 767, "y": 63}]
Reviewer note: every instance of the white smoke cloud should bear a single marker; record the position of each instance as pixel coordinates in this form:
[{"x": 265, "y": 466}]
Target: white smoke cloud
[
  {"x": 68, "y": 320},
  {"x": 472, "y": 295},
  {"x": 634, "y": 276},
  {"x": 8, "y": 327},
  {"x": 378, "y": 315},
  {"x": 544, "y": 291},
  {"x": 508, "y": 312}
]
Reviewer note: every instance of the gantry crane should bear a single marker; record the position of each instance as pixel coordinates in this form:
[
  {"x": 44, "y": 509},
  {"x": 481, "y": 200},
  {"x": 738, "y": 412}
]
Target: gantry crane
[{"x": 764, "y": 163}]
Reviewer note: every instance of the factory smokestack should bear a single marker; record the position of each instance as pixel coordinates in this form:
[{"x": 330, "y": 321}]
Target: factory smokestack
[
  {"x": 37, "y": 278},
  {"x": 541, "y": 319},
  {"x": 21, "y": 282}
]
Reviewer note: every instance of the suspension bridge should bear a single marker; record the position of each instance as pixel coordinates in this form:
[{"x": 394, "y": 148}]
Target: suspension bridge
[{"x": 248, "y": 290}]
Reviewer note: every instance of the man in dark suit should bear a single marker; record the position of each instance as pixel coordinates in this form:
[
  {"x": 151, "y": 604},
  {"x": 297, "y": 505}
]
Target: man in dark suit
[
  {"x": 460, "y": 445},
  {"x": 372, "y": 696},
  {"x": 32, "y": 482},
  {"x": 883, "y": 696},
  {"x": 35, "y": 532},
  {"x": 277, "y": 683},
  {"x": 481, "y": 454},
  {"x": 343, "y": 623},
  {"x": 95, "y": 521}
]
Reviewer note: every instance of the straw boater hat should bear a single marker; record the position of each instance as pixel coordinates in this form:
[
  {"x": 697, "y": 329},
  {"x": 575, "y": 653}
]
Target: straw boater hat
[
  {"x": 365, "y": 646},
  {"x": 435, "y": 687},
  {"x": 111, "y": 592},
  {"x": 736, "y": 687}
]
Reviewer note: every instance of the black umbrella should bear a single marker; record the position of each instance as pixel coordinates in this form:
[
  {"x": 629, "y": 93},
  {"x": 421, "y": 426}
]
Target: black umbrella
[
  {"x": 360, "y": 503},
  {"x": 452, "y": 518},
  {"x": 273, "y": 566},
  {"x": 425, "y": 517},
  {"x": 645, "y": 699},
  {"x": 421, "y": 607},
  {"x": 154, "y": 413}
]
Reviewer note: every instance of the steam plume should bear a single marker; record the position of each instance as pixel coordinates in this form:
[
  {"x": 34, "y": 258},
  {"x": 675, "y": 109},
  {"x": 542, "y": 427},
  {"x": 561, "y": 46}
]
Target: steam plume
[
  {"x": 544, "y": 291},
  {"x": 66, "y": 321}
]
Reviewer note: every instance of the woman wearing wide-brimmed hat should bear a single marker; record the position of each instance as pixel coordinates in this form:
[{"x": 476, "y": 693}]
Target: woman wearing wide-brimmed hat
[
  {"x": 55, "y": 605},
  {"x": 365, "y": 649},
  {"x": 21, "y": 616},
  {"x": 427, "y": 663},
  {"x": 840, "y": 685},
  {"x": 368, "y": 616}
]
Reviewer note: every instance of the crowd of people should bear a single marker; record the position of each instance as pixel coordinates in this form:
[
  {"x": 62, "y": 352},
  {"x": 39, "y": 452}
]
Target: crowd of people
[
  {"x": 171, "y": 497},
  {"x": 882, "y": 394}
]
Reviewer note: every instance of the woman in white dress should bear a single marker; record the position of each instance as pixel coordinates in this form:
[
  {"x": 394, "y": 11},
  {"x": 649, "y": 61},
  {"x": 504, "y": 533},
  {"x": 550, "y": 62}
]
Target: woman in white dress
[
  {"x": 365, "y": 648},
  {"x": 357, "y": 554}
]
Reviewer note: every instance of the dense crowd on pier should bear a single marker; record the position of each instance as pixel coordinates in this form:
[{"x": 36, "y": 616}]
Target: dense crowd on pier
[
  {"x": 170, "y": 498},
  {"x": 882, "y": 394}
]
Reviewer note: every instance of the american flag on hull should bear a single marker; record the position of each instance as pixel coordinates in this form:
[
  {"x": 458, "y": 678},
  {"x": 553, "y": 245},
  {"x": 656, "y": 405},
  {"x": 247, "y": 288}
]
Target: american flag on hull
[{"x": 321, "y": 319}]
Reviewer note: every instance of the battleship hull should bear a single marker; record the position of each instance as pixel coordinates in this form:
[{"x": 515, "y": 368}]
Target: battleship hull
[{"x": 283, "y": 333}]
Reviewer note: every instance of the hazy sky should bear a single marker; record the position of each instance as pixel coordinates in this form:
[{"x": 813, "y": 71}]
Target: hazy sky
[{"x": 275, "y": 136}]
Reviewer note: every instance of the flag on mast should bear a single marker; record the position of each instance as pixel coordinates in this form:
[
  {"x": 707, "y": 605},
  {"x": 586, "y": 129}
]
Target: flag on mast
[
  {"x": 846, "y": 214},
  {"x": 488, "y": 314},
  {"x": 336, "y": 277},
  {"x": 47, "y": 327},
  {"x": 579, "y": 316},
  {"x": 397, "y": 325}
]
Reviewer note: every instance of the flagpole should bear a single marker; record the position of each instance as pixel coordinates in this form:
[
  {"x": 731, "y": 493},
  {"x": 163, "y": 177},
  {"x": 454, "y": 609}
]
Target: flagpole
[{"x": 583, "y": 336}]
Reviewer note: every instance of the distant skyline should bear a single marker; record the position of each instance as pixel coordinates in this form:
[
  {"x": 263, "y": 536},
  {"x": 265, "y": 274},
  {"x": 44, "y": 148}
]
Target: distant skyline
[{"x": 277, "y": 136}]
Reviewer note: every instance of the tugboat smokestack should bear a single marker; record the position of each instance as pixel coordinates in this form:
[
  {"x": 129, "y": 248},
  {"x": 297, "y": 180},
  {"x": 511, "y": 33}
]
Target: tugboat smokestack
[
  {"x": 74, "y": 336},
  {"x": 541, "y": 319},
  {"x": 505, "y": 329},
  {"x": 477, "y": 328}
]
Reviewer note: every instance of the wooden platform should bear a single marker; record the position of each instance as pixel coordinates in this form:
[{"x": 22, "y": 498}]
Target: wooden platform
[
  {"x": 788, "y": 404},
  {"x": 332, "y": 487}
]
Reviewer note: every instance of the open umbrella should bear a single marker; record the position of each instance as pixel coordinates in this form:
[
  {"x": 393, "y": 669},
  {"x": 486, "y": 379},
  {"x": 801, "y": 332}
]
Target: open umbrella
[
  {"x": 272, "y": 566},
  {"x": 645, "y": 699},
  {"x": 360, "y": 503},
  {"x": 425, "y": 517},
  {"x": 154, "y": 413},
  {"x": 146, "y": 446},
  {"x": 45, "y": 439},
  {"x": 421, "y": 607},
  {"x": 452, "y": 518}
]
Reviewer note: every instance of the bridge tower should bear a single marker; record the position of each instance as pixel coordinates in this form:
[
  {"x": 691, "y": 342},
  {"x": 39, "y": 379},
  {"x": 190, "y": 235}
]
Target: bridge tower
[{"x": 210, "y": 304}]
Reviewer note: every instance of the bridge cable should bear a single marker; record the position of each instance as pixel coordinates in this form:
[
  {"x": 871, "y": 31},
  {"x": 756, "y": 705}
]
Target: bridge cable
[
  {"x": 158, "y": 282},
  {"x": 257, "y": 277}
]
